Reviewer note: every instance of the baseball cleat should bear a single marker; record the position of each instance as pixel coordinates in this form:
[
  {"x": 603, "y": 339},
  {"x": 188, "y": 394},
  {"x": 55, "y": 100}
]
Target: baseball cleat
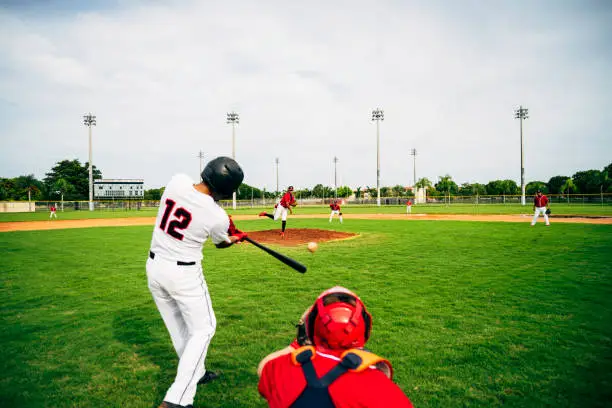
[
  {"x": 167, "y": 404},
  {"x": 263, "y": 214},
  {"x": 282, "y": 235},
  {"x": 208, "y": 377}
]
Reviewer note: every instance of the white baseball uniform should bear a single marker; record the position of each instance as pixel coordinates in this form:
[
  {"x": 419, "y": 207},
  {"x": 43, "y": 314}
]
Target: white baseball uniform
[{"x": 186, "y": 218}]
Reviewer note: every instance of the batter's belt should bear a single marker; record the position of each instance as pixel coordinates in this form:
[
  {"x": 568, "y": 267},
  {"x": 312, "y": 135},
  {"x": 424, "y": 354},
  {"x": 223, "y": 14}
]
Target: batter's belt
[{"x": 179, "y": 263}]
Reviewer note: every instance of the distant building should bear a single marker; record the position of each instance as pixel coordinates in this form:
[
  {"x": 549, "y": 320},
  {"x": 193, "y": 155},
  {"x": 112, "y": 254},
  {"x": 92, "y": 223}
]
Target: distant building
[{"x": 118, "y": 189}]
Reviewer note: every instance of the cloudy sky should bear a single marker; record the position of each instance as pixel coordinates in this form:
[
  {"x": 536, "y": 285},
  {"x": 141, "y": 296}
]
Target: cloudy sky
[{"x": 304, "y": 76}]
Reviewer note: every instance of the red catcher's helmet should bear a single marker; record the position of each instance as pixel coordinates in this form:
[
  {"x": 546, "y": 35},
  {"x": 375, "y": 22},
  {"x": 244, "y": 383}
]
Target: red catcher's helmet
[{"x": 338, "y": 320}]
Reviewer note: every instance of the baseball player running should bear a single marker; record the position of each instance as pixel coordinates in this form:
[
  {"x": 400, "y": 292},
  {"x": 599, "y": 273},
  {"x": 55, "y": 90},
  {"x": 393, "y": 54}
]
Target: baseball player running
[
  {"x": 540, "y": 206},
  {"x": 188, "y": 215},
  {"x": 335, "y": 210},
  {"x": 286, "y": 203}
]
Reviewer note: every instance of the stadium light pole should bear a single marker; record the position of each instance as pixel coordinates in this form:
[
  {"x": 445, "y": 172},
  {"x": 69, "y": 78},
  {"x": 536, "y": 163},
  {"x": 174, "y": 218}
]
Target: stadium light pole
[
  {"x": 276, "y": 175},
  {"x": 90, "y": 120},
  {"x": 521, "y": 114},
  {"x": 413, "y": 153},
  {"x": 378, "y": 115},
  {"x": 201, "y": 157},
  {"x": 335, "y": 177},
  {"x": 233, "y": 119}
]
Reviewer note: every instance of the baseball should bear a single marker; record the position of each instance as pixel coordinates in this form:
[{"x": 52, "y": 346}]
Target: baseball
[{"x": 312, "y": 246}]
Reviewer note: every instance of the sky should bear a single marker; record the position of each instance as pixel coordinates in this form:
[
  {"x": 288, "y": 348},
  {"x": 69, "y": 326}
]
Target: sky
[{"x": 160, "y": 76}]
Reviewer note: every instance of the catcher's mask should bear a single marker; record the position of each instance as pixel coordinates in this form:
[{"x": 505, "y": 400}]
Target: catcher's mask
[
  {"x": 338, "y": 320},
  {"x": 223, "y": 176},
  {"x": 290, "y": 188}
]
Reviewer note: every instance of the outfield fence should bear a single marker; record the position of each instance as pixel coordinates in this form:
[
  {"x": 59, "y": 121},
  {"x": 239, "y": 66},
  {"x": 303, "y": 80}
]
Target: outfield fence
[{"x": 604, "y": 199}]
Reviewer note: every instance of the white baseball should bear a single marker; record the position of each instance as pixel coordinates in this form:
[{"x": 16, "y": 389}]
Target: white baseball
[{"x": 312, "y": 246}]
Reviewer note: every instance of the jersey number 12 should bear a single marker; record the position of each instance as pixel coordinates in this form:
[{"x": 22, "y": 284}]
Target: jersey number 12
[{"x": 183, "y": 220}]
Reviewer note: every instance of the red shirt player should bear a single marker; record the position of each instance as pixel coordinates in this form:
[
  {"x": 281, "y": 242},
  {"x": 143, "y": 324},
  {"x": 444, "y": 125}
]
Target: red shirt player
[
  {"x": 335, "y": 210},
  {"x": 331, "y": 369},
  {"x": 286, "y": 203},
  {"x": 53, "y": 210},
  {"x": 540, "y": 206},
  {"x": 409, "y": 207}
]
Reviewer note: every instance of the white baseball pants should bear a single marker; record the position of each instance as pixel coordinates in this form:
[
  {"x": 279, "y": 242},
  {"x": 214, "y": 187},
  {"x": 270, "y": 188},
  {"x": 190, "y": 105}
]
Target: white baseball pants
[
  {"x": 181, "y": 295},
  {"x": 280, "y": 212},
  {"x": 538, "y": 211},
  {"x": 408, "y": 209},
  {"x": 335, "y": 212}
]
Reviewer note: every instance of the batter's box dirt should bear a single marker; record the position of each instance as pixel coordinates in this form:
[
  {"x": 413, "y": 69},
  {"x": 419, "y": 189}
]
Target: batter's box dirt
[{"x": 297, "y": 236}]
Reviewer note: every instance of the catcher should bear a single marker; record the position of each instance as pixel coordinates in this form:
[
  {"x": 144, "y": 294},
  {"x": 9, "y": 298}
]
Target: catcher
[
  {"x": 286, "y": 204},
  {"x": 326, "y": 366}
]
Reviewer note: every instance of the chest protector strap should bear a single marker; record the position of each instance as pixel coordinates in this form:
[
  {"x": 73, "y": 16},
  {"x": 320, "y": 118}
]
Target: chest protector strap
[{"x": 316, "y": 393}]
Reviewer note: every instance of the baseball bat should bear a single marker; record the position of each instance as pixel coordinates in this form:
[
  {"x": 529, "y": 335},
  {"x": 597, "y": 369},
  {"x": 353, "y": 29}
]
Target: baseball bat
[{"x": 284, "y": 259}]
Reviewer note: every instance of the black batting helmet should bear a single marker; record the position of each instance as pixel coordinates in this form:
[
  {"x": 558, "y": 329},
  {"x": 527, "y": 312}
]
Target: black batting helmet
[{"x": 222, "y": 175}]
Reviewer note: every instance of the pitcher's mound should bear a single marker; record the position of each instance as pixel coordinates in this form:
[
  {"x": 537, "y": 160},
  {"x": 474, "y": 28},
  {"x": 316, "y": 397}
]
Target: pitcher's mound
[{"x": 297, "y": 236}]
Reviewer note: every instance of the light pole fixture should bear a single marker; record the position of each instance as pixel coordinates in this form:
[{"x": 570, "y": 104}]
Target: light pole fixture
[
  {"x": 233, "y": 119},
  {"x": 276, "y": 160},
  {"x": 90, "y": 120},
  {"x": 521, "y": 114},
  {"x": 201, "y": 157},
  {"x": 335, "y": 177},
  {"x": 378, "y": 115},
  {"x": 413, "y": 153}
]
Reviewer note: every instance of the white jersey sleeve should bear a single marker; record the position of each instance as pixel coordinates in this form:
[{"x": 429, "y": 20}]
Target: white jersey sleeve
[{"x": 185, "y": 219}]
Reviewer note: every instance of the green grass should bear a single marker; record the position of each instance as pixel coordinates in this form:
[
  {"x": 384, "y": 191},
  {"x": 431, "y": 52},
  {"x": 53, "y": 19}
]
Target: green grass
[
  {"x": 470, "y": 314},
  {"x": 558, "y": 209}
]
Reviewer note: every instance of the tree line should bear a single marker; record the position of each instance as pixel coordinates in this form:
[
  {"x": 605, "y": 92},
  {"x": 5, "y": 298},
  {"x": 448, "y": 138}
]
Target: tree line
[{"x": 70, "y": 179}]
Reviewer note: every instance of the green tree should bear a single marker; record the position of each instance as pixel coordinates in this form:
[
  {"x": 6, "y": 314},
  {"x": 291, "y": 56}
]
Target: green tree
[
  {"x": 555, "y": 183},
  {"x": 588, "y": 182},
  {"x": 321, "y": 191},
  {"x": 533, "y": 186},
  {"x": 27, "y": 188},
  {"x": 345, "y": 191},
  {"x": 398, "y": 190},
  {"x": 502, "y": 187},
  {"x": 467, "y": 189},
  {"x": 423, "y": 183},
  {"x": 75, "y": 174},
  {"x": 154, "y": 194},
  {"x": 446, "y": 185},
  {"x": 569, "y": 187},
  {"x": 245, "y": 191}
]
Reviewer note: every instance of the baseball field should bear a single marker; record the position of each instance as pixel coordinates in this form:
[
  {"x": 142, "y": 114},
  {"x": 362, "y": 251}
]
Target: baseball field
[{"x": 479, "y": 314}]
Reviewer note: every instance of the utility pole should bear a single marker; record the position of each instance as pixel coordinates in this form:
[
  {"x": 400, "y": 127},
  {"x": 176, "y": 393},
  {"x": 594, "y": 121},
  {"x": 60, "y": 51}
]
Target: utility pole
[
  {"x": 233, "y": 119},
  {"x": 335, "y": 177},
  {"x": 521, "y": 114},
  {"x": 378, "y": 115},
  {"x": 89, "y": 120}
]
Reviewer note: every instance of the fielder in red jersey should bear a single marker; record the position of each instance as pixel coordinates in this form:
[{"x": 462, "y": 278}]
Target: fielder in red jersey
[
  {"x": 326, "y": 366},
  {"x": 335, "y": 210},
  {"x": 540, "y": 205}
]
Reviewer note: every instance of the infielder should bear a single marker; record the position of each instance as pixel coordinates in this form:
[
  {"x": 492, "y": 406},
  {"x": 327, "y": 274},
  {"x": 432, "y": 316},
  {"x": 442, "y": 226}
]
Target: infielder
[
  {"x": 335, "y": 210},
  {"x": 327, "y": 365},
  {"x": 286, "y": 203},
  {"x": 540, "y": 206},
  {"x": 53, "y": 213},
  {"x": 409, "y": 207},
  {"x": 188, "y": 215}
]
